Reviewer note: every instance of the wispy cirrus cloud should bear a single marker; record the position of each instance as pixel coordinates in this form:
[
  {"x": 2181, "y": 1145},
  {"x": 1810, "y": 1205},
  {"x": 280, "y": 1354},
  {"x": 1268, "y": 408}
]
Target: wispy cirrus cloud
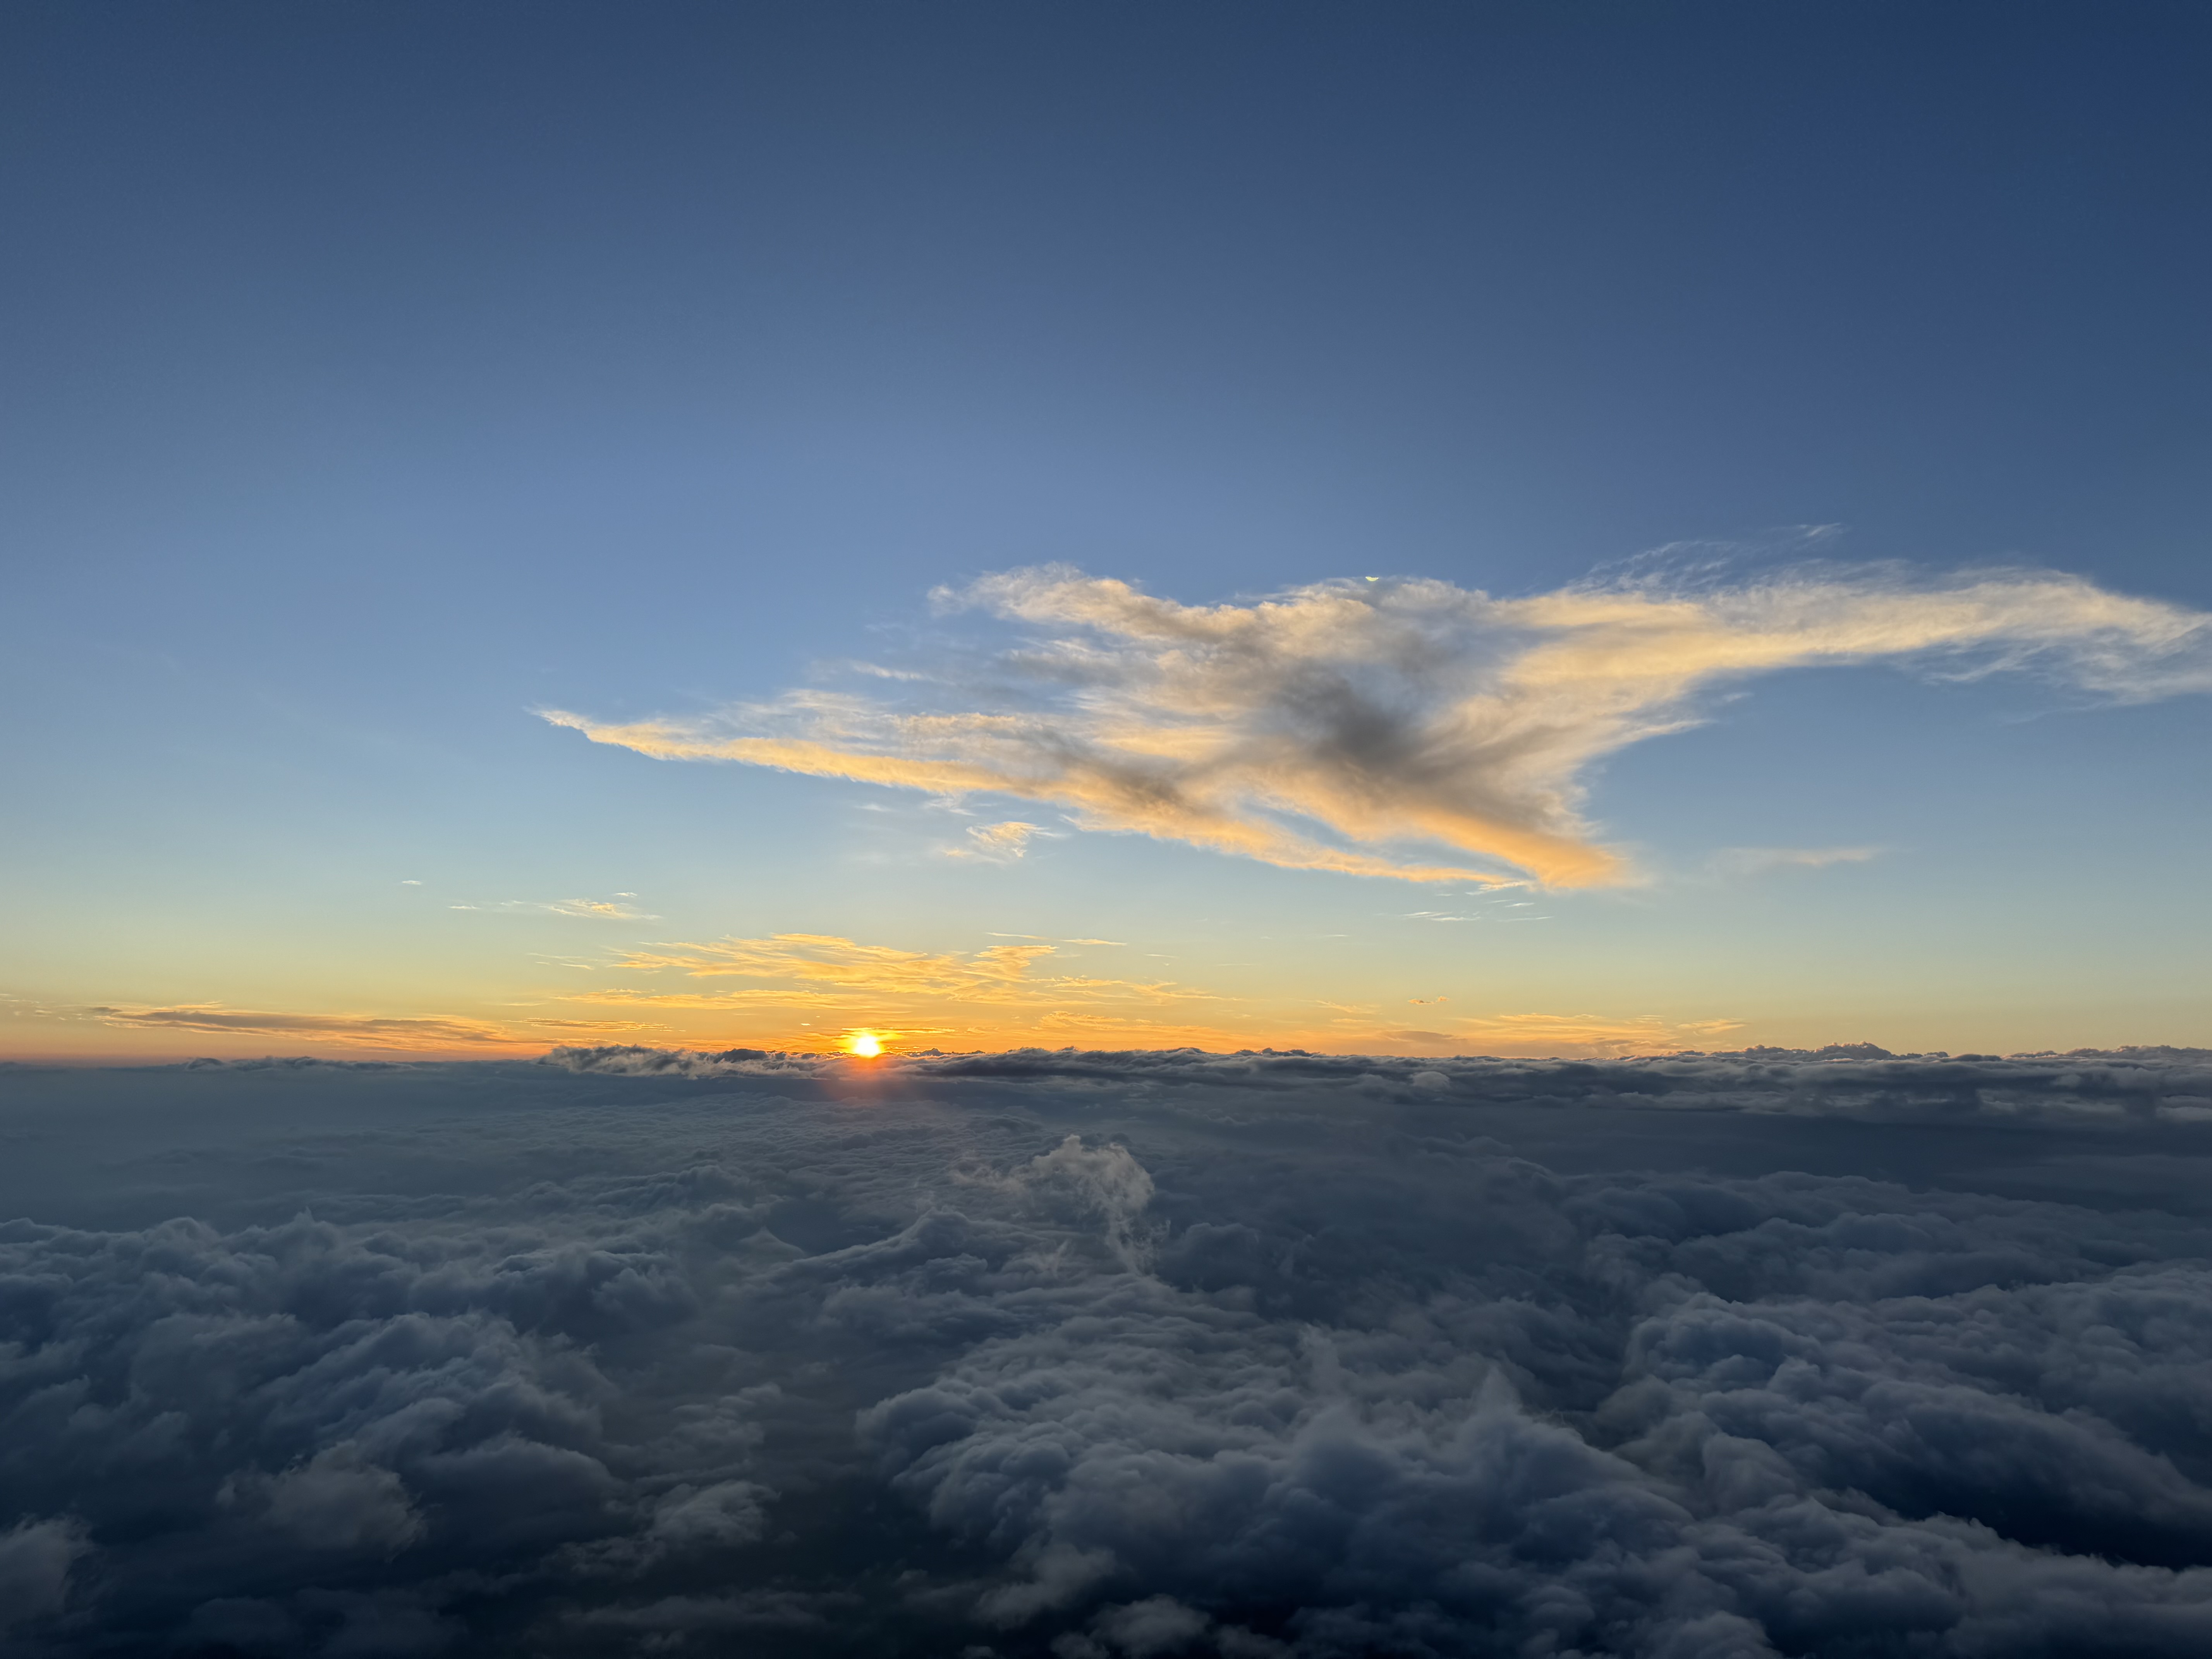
[
  {"x": 613, "y": 909},
  {"x": 1397, "y": 728},
  {"x": 828, "y": 969},
  {"x": 1567, "y": 1036},
  {"x": 1017, "y": 994},
  {"x": 1746, "y": 861},
  {"x": 995, "y": 996},
  {"x": 598, "y": 1026},
  {"x": 995, "y": 843}
]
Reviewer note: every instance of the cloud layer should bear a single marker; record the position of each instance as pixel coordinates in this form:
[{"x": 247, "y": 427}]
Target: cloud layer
[
  {"x": 1089, "y": 1355},
  {"x": 1399, "y": 728}
]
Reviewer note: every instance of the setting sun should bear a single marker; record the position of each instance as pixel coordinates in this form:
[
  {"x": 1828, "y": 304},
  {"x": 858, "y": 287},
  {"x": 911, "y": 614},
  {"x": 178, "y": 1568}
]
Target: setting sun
[{"x": 866, "y": 1044}]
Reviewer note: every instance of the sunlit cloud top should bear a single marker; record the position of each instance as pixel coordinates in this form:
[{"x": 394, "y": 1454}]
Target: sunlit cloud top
[{"x": 1403, "y": 728}]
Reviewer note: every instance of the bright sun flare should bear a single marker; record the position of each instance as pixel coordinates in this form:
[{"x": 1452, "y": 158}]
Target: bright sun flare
[{"x": 866, "y": 1044}]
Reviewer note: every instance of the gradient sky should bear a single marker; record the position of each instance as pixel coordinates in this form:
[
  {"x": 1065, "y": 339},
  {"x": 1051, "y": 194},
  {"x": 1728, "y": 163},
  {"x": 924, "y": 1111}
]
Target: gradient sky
[{"x": 382, "y": 379}]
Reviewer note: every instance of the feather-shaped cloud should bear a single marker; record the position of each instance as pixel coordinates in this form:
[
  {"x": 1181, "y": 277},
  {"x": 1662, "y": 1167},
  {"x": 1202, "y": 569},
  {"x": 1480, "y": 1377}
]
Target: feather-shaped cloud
[{"x": 1413, "y": 729}]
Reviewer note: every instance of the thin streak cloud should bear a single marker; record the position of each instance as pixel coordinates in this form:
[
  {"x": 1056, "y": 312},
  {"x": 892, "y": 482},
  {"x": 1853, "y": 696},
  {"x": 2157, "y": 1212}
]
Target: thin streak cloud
[
  {"x": 433, "y": 1033},
  {"x": 1381, "y": 728},
  {"x": 1569, "y": 1035},
  {"x": 584, "y": 909},
  {"x": 1746, "y": 861}
]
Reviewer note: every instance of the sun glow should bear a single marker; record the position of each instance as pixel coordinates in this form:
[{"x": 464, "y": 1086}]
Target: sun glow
[{"x": 866, "y": 1044}]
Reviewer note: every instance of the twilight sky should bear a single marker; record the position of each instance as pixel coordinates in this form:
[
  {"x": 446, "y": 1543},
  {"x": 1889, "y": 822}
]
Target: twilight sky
[{"x": 1432, "y": 529}]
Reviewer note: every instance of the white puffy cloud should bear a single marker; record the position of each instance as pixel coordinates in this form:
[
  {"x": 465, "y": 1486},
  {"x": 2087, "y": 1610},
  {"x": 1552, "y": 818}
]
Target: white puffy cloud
[{"x": 1399, "y": 728}]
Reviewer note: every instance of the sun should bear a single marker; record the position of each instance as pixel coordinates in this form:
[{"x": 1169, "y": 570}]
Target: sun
[{"x": 866, "y": 1044}]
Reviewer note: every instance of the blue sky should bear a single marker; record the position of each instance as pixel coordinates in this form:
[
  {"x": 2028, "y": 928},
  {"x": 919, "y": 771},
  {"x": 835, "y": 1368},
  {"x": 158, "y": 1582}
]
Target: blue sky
[{"x": 381, "y": 376}]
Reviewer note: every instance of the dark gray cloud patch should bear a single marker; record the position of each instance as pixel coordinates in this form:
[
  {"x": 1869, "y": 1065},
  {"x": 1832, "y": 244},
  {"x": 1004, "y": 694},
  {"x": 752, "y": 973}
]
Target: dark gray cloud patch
[{"x": 1091, "y": 1356}]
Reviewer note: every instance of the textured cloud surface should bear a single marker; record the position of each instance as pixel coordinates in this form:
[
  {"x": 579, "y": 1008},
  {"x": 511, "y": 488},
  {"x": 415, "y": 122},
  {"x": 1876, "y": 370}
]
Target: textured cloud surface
[
  {"x": 1090, "y": 1354},
  {"x": 1348, "y": 725}
]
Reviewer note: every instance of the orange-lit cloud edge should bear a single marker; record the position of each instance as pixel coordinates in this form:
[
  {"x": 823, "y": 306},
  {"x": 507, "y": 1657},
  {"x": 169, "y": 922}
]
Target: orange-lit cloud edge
[{"x": 1366, "y": 728}]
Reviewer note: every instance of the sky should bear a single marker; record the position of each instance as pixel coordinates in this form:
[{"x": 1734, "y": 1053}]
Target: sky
[{"x": 1456, "y": 529}]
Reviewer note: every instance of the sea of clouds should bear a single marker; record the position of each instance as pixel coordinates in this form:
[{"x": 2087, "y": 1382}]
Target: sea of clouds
[{"x": 1110, "y": 1357}]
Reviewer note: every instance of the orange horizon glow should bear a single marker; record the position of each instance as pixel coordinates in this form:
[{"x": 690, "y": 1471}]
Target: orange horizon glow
[
  {"x": 792, "y": 993},
  {"x": 975, "y": 1014}
]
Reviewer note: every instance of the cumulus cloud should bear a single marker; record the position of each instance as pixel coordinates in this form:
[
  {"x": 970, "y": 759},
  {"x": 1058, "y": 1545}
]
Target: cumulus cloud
[
  {"x": 35, "y": 1560},
  {"x": 1391, "y": 728},
  {"x": 337, "y": 1500},
  {"x": 234, "y": 1427},
  {"x": 1081, "y": 1355}
]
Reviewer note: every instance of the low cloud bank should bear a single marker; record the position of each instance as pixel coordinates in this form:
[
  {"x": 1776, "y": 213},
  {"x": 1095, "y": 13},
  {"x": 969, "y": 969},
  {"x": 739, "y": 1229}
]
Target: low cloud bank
[
  {"x": 1089, "y": 1355},
  {"x": 1844, "y": 1080}
]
